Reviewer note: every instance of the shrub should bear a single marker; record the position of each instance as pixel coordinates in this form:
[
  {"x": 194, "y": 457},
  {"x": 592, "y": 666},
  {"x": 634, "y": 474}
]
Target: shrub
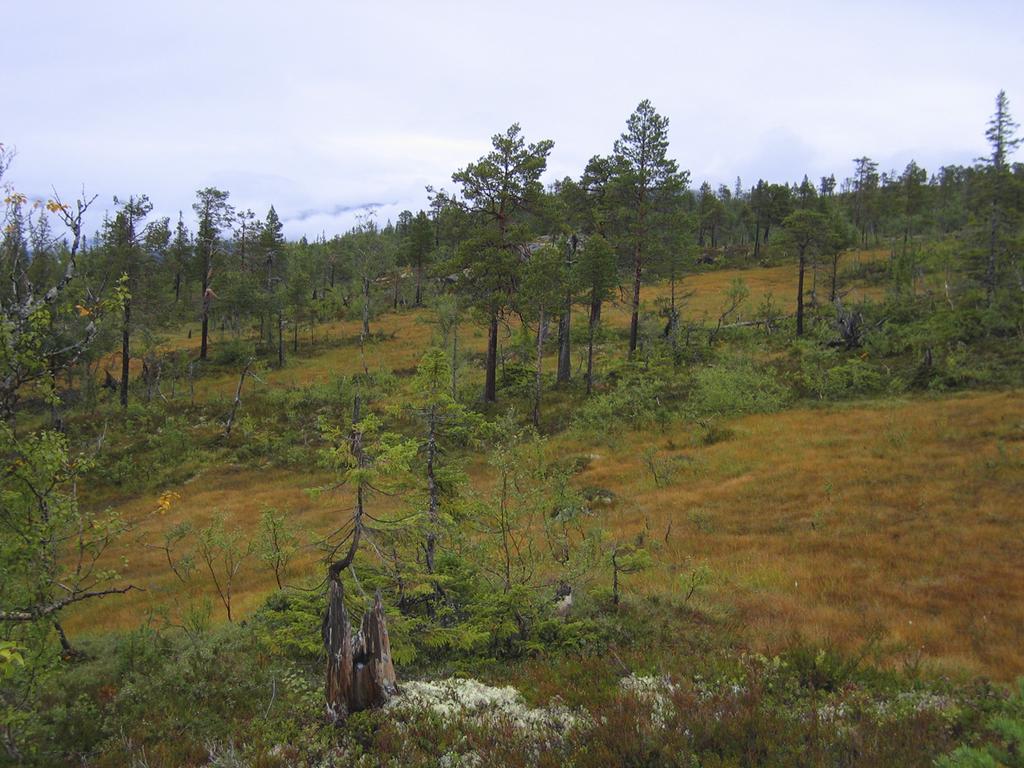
[
  {"x": 232, "y": 353},
  {"x": 736, "y": 388},
  {"x": 638, "y": 399},
  {"x": 826, "y": 375}
]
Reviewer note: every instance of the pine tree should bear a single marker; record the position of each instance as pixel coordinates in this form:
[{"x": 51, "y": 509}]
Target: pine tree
[
  {"x": 805, "y": 230},
  {"x": 272, "y": 250},
  {"x": 419, "y": 245},
  {"x": 180, "y": 255},
  {"x": 214, "y": 215},
  {"x": 647, "y": 182},
  {"x": 124, "y": 236},
  {"x": 595, "y": 273},
  {"x": 497, "y": 191}
]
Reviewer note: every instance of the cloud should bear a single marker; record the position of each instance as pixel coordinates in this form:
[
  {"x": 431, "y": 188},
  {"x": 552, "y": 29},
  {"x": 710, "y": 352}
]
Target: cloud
[
  {"x": 334, "y": 211},
  {"x": 332, "y": 103}
]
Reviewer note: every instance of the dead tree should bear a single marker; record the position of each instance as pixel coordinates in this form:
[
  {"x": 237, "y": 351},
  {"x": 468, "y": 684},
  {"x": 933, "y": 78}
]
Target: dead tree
[
  {"x": 850, "y": 325},
  {"x": 565, "y": 320},
  {"x": 238, "y": 398},
  {"x": 360, "y": 674}
]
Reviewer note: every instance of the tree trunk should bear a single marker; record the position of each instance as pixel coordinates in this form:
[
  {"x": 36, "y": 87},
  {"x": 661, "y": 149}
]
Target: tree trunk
[
  {"x": 800, "y": 298},
  {"x": 366, "y": 307},
  {"x": 635, "y": 319},
  {"x": 280, "y": 340},
  {"x": 125, "y": 338},
  {"x": 203, "y": 344},
  {"x": 419, "y": 285},
  {"x": 537, "y": 374},
  {"x": 565, "y": 324},
  {"x": 68, "y": 651},
  {"x": 337, "y": 637},
  {"x": 360, "y": 673},
  {"x": 432, "y": 492},
  {"x": 234, "y": 407},
  {"x": 595, "y": 313},
  {"x": 564, "y": 350},
  {"x": 490, "y": 375}
]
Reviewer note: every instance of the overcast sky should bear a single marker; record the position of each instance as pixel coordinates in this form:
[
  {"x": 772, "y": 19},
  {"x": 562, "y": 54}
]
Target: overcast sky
[{"x": 322, "y": 108}]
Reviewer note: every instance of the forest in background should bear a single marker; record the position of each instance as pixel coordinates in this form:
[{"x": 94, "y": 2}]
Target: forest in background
[{"x": 518, "y": 416}]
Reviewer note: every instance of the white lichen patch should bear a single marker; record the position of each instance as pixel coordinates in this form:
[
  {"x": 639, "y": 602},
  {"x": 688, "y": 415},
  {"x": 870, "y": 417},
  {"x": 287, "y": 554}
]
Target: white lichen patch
[
  {"x": 456, "y": 697},
  {"x": 653, "y": 691}
]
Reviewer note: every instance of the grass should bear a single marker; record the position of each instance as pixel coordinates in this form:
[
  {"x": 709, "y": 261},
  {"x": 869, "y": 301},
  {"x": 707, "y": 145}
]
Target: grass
[
  {"x": 819, "y": 523},
  {"x": 893, "y": 526},
  {"x": 812, "y": 521}
]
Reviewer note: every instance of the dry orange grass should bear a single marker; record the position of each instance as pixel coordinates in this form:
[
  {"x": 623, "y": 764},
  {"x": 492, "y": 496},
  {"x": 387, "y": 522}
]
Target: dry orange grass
[
  {"x": 242, "y": 494},
  {"x": 707, "y": 289},
  {"x": 900, "y": 522},
  {"x": 897, "y": 521}
]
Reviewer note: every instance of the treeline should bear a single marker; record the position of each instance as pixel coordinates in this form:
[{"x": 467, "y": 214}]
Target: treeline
[{"x": 506, "y": 246}]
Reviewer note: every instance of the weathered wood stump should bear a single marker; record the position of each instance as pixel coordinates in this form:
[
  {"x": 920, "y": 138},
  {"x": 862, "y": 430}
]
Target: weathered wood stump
[{"x": 360, "y": 673}]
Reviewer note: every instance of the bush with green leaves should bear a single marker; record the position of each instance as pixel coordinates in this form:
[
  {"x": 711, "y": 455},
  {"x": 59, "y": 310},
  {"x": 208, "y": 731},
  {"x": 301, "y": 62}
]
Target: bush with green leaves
[
  {"x": 1003, "y": 740},
  {"x": 829, "y": 374},
  {"x": 233, "y": 353},
  {"x": 735, "y": 387},
  {"x": 639, "y": 398}
]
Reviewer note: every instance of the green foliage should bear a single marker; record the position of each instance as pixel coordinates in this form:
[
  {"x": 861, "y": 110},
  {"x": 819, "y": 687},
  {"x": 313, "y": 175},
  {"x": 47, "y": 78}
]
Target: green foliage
[
  {"x": 736, "y": 387},
  {"x": 638, "y": 398},
  {"x": 1004, "y": 737},
  {"x": 276, "y": 543},
  {"x": 233, "y": 353},
  {"x": 829, "y": 374},
  {"x": 391, "y": 454},
  {"x": 169, "y": 444},
  {"x": 496, "y": 198},
  {"x": 283, "y": 624},
  {"x": 11, "y": 656},
  {"x": 42, "y": 516}
]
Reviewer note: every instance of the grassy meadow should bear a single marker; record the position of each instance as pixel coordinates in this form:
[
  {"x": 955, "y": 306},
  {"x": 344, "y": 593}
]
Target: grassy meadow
[{"x": 886, "y": 527}]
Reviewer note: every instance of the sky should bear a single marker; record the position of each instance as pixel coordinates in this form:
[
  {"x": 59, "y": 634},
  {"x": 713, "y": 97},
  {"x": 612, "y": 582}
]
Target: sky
[{"x": 325, "y": 108}]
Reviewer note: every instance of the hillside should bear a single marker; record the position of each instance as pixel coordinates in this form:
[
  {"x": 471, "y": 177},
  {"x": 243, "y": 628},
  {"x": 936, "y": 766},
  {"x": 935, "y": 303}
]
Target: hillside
[{"x": 607, "y": 470}]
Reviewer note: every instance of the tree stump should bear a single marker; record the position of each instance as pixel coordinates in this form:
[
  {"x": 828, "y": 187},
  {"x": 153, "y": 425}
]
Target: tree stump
[{"x": 360, "y": 673}]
